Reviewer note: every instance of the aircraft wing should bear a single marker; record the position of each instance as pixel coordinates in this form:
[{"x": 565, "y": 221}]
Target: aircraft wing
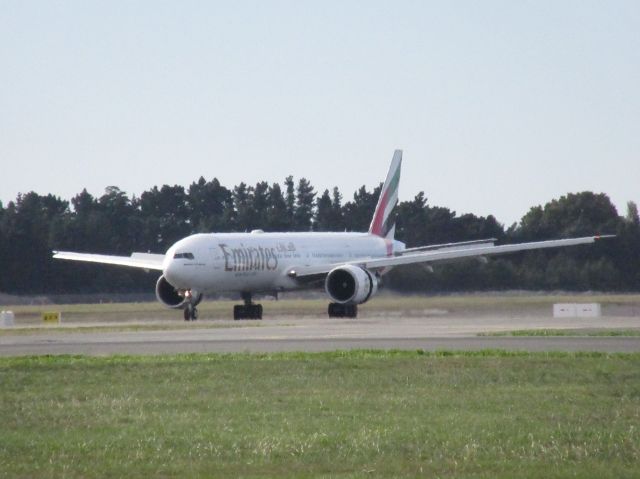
[
  {"x": 465, "y": 244},
  {"x": 445, "y": 255},
  {"x": 136, "y": 260}
]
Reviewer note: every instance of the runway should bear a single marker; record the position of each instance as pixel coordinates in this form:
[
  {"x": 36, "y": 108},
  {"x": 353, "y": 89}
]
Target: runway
[{"x": 429, "y": 333}]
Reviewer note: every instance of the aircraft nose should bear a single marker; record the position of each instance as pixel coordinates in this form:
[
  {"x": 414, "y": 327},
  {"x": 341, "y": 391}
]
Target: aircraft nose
[{"x": 173, "y": 273}]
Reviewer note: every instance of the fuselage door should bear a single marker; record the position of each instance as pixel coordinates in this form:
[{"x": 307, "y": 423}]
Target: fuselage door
[{"x": 217, "y": 260}]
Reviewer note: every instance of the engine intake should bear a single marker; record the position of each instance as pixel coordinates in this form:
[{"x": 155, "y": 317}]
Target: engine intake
[
  {"x": 350, "y": 284},
  {"x": 172, "y": 298}
]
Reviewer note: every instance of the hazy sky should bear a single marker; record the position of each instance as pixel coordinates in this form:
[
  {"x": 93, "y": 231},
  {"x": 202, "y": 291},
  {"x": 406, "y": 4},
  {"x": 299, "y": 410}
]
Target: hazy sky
[{"x": 498, "y": 105}]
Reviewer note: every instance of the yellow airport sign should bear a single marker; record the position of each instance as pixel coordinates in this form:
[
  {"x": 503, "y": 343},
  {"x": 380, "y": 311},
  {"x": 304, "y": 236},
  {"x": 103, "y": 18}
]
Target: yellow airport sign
[{"x": 51, "y": 317}]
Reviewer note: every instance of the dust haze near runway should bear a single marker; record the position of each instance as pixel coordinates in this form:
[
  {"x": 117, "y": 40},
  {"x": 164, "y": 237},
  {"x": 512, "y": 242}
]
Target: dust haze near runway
[{"x": 437, "y": 332}]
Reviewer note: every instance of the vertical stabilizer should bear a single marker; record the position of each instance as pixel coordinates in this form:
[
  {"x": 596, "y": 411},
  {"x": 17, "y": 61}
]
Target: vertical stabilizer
[{"x": 381, "y": 224}]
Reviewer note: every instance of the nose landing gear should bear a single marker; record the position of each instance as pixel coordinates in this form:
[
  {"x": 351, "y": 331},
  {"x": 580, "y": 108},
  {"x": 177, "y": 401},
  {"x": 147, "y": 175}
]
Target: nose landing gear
[
  {"x": 248, "y": 310},
  {"x": 190, "y": 312}
]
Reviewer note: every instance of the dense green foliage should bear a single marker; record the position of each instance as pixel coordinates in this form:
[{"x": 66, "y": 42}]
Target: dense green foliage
[
  {"x": 33, "y": 225},
  {"x": 488, "y": 414}
]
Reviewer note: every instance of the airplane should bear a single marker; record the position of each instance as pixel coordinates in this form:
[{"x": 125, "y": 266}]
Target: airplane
[{"x": 349, "y": 264}]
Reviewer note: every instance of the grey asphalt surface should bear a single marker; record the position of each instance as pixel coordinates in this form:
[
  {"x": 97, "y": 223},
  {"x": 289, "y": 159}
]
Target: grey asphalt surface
[{"x": 322, "y": 334}]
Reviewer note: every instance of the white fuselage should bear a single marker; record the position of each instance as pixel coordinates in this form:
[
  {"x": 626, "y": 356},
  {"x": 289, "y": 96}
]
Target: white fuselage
[{"x": 260, "y": 262}]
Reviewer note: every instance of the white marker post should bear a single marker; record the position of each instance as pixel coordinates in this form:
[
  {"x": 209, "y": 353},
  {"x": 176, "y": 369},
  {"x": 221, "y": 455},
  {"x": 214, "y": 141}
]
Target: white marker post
[{"x": 7, "y": 319}]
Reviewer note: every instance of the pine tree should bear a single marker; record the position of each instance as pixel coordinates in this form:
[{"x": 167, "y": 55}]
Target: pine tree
[
  {"x": 323, "y": 213},
  {"x": 290, "y": 199},
  {"x": 277, "y": 213},
  {"x": 305, "y": 197},
  {"x": 208, "y": 202}
]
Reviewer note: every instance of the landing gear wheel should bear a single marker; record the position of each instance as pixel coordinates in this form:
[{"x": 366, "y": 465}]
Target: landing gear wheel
[
  {"x": 338, "y": 310},
  {"x": 247, "y": 310}
]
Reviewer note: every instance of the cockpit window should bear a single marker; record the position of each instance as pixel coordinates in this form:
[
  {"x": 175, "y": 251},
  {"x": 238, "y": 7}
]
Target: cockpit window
[{"x": 183, "y": 255}]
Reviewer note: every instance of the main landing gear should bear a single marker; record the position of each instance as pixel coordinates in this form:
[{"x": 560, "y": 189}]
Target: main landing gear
[
  {"x": 248, "y": 310},
  {"x": 338, "y": 310}
]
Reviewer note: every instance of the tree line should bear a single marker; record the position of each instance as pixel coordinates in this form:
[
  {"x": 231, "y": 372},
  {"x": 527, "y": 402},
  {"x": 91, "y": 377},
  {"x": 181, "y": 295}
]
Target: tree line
[{"x": 33, "y": 225}]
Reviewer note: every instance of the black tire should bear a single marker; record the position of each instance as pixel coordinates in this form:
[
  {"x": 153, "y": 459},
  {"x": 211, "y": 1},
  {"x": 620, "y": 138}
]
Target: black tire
[
  {"x": 194, "y": 314},
  {"x": 186, "y": 314},
  {"x": 238, "y": 312},
  {"x": 336, "y": 310}
]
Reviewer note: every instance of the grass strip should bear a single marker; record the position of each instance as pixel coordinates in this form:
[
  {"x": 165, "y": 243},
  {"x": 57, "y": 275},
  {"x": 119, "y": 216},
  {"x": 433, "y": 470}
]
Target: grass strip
[
  {"x": 363, "y": 413},
  {"x": 380, "y": 303},
  {"x": 127, "y": 328},
  {"x": 566, "y": 332}
]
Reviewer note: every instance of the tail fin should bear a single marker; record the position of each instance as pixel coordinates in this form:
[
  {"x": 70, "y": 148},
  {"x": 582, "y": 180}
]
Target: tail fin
[{"x": 388, "y": 199}]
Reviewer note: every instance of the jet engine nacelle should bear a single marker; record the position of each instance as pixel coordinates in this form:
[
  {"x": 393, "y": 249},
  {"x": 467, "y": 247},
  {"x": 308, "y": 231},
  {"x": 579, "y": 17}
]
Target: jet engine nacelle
[
  {"x": 350, "y": 284},
  {"x": 170, "y": 297}
]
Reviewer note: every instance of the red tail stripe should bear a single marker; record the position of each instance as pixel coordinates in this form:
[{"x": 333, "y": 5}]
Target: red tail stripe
[{"x": 378, "y": 220}]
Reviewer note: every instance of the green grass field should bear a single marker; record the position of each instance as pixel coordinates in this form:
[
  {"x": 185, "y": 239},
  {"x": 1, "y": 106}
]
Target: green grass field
[{"x": 355, "y": 414}]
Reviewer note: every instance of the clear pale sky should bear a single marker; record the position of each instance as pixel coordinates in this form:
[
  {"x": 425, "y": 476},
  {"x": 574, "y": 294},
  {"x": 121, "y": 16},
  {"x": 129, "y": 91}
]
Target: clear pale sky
[{"x": 498, "y": 105}]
